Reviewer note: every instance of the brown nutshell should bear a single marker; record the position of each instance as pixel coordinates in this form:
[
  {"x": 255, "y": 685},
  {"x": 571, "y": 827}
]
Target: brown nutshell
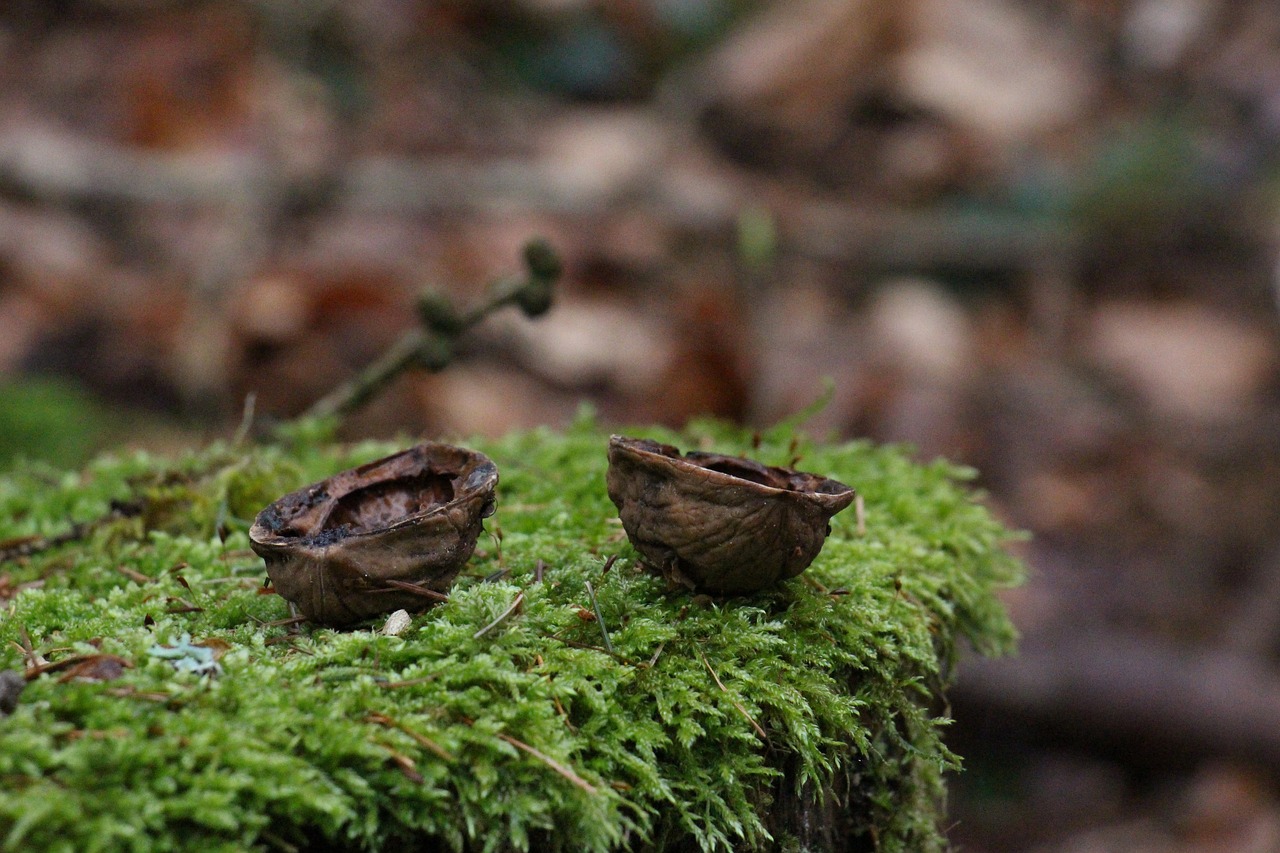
[
  {"x": 720, "y": 524},
  {"x": 389, "y": 535}
]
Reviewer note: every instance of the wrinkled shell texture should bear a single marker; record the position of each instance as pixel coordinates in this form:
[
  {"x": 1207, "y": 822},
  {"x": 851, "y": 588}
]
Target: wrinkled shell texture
[
  {"x": 720, "y": 524},
  {"x": 415, "y": 516}
]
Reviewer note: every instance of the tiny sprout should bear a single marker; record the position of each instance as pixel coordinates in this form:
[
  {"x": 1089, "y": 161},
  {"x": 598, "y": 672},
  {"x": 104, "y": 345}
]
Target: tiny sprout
[
  {"x": 542, "y": 260},
  {"x": 534, "y": 297},
  {"x": 430, "y": 346},
  {"x": 534, "y": 294},
  {"x": 437, "y": 313}
]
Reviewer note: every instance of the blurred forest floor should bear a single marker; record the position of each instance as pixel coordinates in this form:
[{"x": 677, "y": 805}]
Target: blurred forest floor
[{"x": 1037, "y": 237}]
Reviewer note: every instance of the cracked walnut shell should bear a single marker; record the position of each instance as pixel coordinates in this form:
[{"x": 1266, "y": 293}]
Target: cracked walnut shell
[
  {"x": 720, "y": 524},
  {"x": 389, "y": 535}
]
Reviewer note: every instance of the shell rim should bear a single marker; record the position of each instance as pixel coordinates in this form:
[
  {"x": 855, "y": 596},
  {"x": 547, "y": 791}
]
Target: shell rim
[
  {"x": 844, "y": 491},
  {"x": 471, "y": 486}
]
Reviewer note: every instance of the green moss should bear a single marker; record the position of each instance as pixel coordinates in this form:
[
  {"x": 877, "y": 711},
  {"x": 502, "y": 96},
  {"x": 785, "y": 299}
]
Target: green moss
[
  {"x": 709, "y": 716},
  {"x": 48, "y": 419}
]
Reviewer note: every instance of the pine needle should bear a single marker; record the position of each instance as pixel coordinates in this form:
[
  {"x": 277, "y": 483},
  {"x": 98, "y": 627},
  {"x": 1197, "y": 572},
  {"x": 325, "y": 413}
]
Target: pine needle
[{"x": 550, "y": 762}]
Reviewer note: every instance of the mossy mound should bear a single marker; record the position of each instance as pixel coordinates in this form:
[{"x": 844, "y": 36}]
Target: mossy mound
[{"x": 807, "y": 717}]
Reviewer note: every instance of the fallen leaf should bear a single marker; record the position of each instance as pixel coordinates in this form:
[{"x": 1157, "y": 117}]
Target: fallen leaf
[{"x": 102, "y": 667}]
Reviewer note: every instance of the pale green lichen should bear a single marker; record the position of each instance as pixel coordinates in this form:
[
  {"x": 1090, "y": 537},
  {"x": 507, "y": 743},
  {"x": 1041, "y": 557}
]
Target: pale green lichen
[{"x": 527, "y": 735}]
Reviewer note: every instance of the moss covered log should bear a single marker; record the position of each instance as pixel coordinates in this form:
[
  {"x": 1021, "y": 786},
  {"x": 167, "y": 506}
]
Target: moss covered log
[{"x": 807, "y": 717}]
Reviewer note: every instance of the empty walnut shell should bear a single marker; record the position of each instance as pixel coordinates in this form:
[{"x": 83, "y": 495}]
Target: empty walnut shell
[
  {"x": 720, "y": 524},
  {"x": 343, "y": 549}
]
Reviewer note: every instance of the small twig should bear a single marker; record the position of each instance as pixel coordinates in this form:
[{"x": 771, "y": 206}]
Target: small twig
[
  {"x": 1154, "y": 696},
  {"x": 404, "y": 763},
  {"x": 575, "y": 644},
  {"x": 430, "y": 346},
  {"x": 860, "y": 512},
  {"x": 550, "y": 762},
  {"x": 515, "y": 605},
  {"x": 134, "y": 693},
  {"x": 67, "y": 663},
  {"x": 715, "y": 677},
  {"x": 412, "y": 682},
  {"x": 277, "y": 623},
  {"x": 243, "y": 581},
  {"x": 350, "y": 396},
  {"x": 414, "y": 588},
  {"x": 539, "y": 570},
  {"x": 604, "y": 630},
  {"x": 27, "y": 546},
  {"x": 181, "y": 605},
  {"x": 814, "y": 583},
  {"x": 759, "y": 730},
  {"x": 564, "y": 715},
  {"x": 653, "y": 661},
  {"x": 421, "y": 739},
  {"x": 134, "y": 575}
]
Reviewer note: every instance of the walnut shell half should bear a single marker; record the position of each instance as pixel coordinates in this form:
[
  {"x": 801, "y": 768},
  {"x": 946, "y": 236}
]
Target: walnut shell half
[
  {"x": 720, "y": 524},
  {"x": 342, "y": 549}
]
